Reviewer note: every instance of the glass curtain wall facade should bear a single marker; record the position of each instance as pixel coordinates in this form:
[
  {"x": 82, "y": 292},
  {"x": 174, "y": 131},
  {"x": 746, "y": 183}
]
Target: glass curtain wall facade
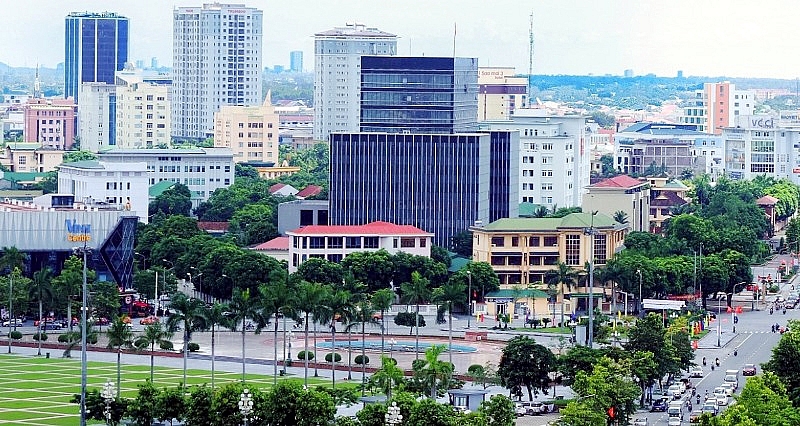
[
  {"x": 96, "y": 47},
  {"x": 439, "y": 183},
  {"x": 419, "y": 94}
]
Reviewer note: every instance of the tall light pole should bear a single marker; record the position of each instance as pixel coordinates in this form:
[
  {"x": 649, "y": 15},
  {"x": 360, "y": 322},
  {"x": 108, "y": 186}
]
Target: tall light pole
[
  {"x": 84, "y": 303},
  {"x": 10, "y": 308},
  {"x": 158, "y": 301},
  {"x": 591, "y": 281},
  {"x": 641, "y": 303},
  {"x": 469, "y": 300}
]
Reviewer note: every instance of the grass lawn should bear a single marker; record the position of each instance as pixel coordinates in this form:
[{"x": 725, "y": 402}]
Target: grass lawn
[{"x": 36, "y": 391}]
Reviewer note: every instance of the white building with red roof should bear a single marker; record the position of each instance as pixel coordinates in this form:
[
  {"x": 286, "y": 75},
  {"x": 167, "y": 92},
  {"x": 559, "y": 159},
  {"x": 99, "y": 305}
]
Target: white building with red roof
[
  {"x": 335, "y": 242},
  {"x": 277, "y": 248},
  {"x": 621, "y": 193}
]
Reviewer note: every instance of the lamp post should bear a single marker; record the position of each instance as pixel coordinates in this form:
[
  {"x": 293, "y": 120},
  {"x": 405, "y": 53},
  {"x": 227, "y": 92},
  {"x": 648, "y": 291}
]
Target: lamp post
[
  {"x": 719, "y": 323},
  {"x": 245, "y": 405},
  {"x": 158, "y": 301},
  {"x": 392, "y": 342},
  {"x": 85, "y": 251},
  {"x": 641, "y": 303},
  {"x": 469, "y": 298},
  {"x": 10, "y": 306},
  {"x": 591, "y": 280},
  {"x": 393, "y": 416},
  {"x": 109, "y": 394},
  {"x": 200, "y": 284}
]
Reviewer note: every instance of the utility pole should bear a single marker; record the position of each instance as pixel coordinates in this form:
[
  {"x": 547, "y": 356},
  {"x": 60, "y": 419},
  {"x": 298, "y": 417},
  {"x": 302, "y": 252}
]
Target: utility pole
[
  {"x": 591, "y": 281},
  {"x": 530, "y": 58}
]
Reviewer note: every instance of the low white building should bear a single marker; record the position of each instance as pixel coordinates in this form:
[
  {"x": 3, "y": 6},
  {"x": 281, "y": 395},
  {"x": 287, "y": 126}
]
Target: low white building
[
  {"x": 202, "y": 170},
  {"x": 763, "y": 145},
  {"x": 107, "y": 185},
  {"x": 335, "y": 242}
]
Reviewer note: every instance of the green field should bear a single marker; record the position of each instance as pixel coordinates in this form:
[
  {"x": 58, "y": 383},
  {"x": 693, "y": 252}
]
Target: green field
[{"x": 36, "y": 391}]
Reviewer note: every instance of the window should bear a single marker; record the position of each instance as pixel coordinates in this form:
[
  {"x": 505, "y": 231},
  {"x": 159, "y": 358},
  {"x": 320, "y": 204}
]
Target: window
[
  {"x": 514, "y": 241},
  {"x": 423, "y": 242},
  {"x": 408, "y": 242},
  {"x": 371, "y": 242},
  {"x": 335, "y": 258},
  {"x": 334, "y": 242},
  {"x": 498, "y": 260},
  {"x": 573, "y": 250},
  {"x": 533, "y": 241},
  {"x": 316, "y": 242},
  {"x": 353, "y": 242},
  {"x": 498, "y": 241},
  {"x": 600, "y": 249},
  {"x": 547, "y": 173},
  {"x": 550, "y": 241}
]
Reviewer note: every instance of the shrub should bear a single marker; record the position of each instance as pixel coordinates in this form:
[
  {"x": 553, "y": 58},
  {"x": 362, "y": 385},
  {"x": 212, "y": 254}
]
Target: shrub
[
  {"x": 358, "y": 360},
  {"x": 40, "y": 336},
  {"x": 166, "y": 345},
  {"x": 16, "y": 334},
  {"x": 91, "y": 338},
  {"x": 63, "y": 338},
  {"x": 475, "y": 368},
  {"x": 303, "y": 354},
  {"x": 193, "y": 347},
  {"x": 329, "y": 357}
]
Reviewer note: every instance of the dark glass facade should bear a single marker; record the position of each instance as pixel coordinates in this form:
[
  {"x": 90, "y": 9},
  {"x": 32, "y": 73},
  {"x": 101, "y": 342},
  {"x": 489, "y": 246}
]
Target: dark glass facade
[
  {"x": 419, "y": 94},
  {"x": 504, "y": 174},
  {"x": 96, "y": 46}
]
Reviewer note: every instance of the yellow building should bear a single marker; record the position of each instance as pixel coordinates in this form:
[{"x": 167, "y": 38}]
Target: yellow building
[
  {"x": 143, "y": 113},
  {"x": 500, "y": 93},
  {"x": 251, "y": 132},
  {"x": 31, "y": 157},
  {"x": 522, "y": 250},
  {"x": 621, "y": 193}
]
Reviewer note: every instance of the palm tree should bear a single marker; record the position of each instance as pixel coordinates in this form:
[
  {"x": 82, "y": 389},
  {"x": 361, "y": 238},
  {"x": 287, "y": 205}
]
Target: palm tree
[
  {"x": 11, "y": 259},
  {"x": 188, "y": 313},
  {"x": 242, "y": 307},
  {"x": 41, "y": 291},
  {"x": 363, "y": 314},
  {"x": 388, "y": 376},
  {"x": 216, "y": 315},
  {"x": 621, "y": 217},
  {"x": 277, "y": 300},
  {"x": 433, "y": 370},
  {"x": 309, "y": 297},
  {"x": 562, "y": 276},
  {"x": 154, "y": 334},
  {"x": 541, "y": 211},
  {"x": 382, "y": 302},
  {"x": 322, "y": 314},
  {"x": 416, "y": 292},
  {"x": 339, "y": 308},
  {"x": 449, "y": 294},
  {"x": 119, "y": 336}
]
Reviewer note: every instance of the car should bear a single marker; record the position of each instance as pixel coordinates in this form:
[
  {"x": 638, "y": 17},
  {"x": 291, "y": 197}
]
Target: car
[
  {"x": 695, "y": 416},
  {"x": 16, "y": 322},
  {"x": 731, "y": 380},
  {"x": 149, "y": 320},
  {"x": 749, "y": 370},
  {"x": 675, "y": 421},
  {"x": 659, "y": 405},
  {"x": 674, "y": 392},
  {"x": 520, "y": 410},
  {"x": 697, "y": 372},
  {"x": 710, "y": 407},
  {"x": 536, "y": 408},
  {"x": 55, "y": 325},
  {"x": 728, "y": 388},
  {"x": 722, "y": 400},
  {"x": 640, "y": 421}
]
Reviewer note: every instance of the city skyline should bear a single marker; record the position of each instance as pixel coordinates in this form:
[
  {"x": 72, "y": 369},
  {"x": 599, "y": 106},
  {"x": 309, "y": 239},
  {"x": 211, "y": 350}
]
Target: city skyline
[{"x": 713, "y": 38}]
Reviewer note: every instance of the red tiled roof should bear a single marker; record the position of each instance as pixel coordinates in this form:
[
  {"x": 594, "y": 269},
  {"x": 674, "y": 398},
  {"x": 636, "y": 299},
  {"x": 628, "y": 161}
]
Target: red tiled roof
[
  {"x": 309, "y": 191},
  {"x": 767, "y": 200},
  {"x": 373, "y": 228},
  {"x": 621, "y": 181},
  {"x": 213, "y": 226},
  {"x": 667, "y": 199},
  {"x": 274, "y": 188},
  {"x": 277, "y": 243}
]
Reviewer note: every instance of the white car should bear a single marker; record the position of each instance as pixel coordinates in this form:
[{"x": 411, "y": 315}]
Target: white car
[
  {"x": 520, "y": 410},
  {"x": 722, "y": 400},
  {"x": 728, "y": 387},
  {"x": 697, "y": 372},
  {"x": 675, "y": 421},
  {"x": 16, "y": 322}
]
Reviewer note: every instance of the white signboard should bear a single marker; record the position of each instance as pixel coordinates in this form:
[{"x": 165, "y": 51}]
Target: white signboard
[{"x": 675, "y": 305}]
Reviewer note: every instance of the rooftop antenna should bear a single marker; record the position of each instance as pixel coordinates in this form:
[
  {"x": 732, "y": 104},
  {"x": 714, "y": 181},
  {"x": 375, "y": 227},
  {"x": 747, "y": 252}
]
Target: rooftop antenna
[
  {"x": 455, "y": 31},
  {"x": 530, "y": 55}
]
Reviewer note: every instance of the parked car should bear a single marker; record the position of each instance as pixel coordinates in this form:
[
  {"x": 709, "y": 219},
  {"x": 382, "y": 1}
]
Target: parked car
[
  {"x": 749, "y": 370},
  {"x": 536, "y": 408},
  {"x": 53, "y": 326},
  {"x": 659, "y": 405},
  {"x": 697, "y": 372},
  {"x": 16, "y": 322},
  {"x": 520, "y": 410},
  {"x": 149, "y": 320},
  {"x": 640, "y": 421}
]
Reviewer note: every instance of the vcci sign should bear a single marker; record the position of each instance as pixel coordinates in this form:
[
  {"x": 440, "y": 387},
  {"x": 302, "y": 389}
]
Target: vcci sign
[{"x": 77, "y": 232}]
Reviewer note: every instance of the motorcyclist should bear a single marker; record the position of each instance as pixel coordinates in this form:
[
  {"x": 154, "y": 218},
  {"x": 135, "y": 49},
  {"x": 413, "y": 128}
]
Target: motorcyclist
[
  {"x": 704, "y": 360},
  {"x": 698, "y": 397},
  {"x": 716, "y": 361}
]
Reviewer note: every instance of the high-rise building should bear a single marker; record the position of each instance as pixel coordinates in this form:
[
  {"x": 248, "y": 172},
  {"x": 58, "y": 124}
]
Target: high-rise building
[
  {"x": 143, "y": 110},
  {"x": 296, "y": 61},
  {"x": 763, "y": 145},
  {"x": 419, "y": 94},
  {"x": 717, "y": 106},
  {"x": 337, "y": 74},
  {"x": 50, "y": 122},
  {"x": 96, "y": 46},
  {"x": 250, "y": 132},
  {"x": 500, "y": 93},
  {"x": 97, "y": 116},
  {"x": 217, "y": 60}
]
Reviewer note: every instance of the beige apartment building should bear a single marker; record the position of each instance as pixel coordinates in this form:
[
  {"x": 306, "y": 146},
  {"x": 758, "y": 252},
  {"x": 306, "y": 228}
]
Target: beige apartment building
[
  {"x": 522, "y": 250},
  {"x": 143, "y": 112},
  {"x": 251, "y": 132},
  {"x": 31, "y": 157},
  {"x": 500, "y": 93},
  {"x": 621, "y": 193}
]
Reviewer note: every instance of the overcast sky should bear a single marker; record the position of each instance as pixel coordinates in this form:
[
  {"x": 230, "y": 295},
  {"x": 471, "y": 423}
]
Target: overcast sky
[{"x": 735, "y": 38}]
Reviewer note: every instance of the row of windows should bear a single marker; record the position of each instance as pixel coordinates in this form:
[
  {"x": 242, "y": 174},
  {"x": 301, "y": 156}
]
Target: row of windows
[
  {"x": 336, "y": 242},
  {"x": 545, "y": 241}
]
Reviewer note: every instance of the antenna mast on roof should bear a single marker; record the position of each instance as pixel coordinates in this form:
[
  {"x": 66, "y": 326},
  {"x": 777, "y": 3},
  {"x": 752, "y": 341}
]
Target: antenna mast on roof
[{"x": 530, "y": 55}]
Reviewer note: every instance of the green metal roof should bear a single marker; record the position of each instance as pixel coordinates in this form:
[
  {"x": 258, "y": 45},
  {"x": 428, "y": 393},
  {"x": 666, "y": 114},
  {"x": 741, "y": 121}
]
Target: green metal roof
[
  {"x": 159, "y": 188},
  {"x": 524, "y": 293},
  {"x": 85, "y": 164},
  {"x": 22, "y": 176},
  {"x": 528, "y": 209},
  {"x": 675, "y": 184},
  {"x": 457, "y": 263},
  {"x": 572, "y": 220}
]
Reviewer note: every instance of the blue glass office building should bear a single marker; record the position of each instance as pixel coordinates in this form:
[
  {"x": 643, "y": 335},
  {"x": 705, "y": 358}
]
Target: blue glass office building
[
  {"x": 441, "y": 183},
  {"x": 426, "y": 95},
  {"x": 96, "y": 47}
]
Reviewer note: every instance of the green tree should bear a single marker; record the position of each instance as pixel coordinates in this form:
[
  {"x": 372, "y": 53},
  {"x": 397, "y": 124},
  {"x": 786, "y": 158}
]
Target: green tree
[
  {"x": 525, "y": 363},
  {"x": 318, "y": 270},
  {"x": 434, "y": 372},
  {"x": 154, "y": 334},
  {"x": 363, "y": 314},
  {"x": 176, "y": 200},
  {"x": 416, "y": 292},
  {"x": 171, "y": 404},
  {"x": 576, "y": 359},
  {"x": 785, "y": 361},
  {"x": 556, "y": 280},
  {"x": 188, "y": 314},
  {"x": 105, "y": 298},
  {"x": 68, "y": 283},
  {"x": 609, "y": 385},
  {"x": 198, "y": 407},
  {"x": 461, "y": 244},
  {"x": 388, "y": 376},
  {"x": 382, "y": 302},
  {"x": 244, "y": 306},
  {"x": 11, "y": 260},
  {"x": 245, "y": 171},
  {"x": 42, "y": 292},
  {"x": 763, "y": 401},
  {"x": 428, "y": 412},
  {"x": 73, "y": 156},
  {"x": 339, "y": 309},
  {"x": 499, "y": 411},
  {"x": 649, "y": 335},
  {"x": 278, "y": 300},
  {"x": 621, "y": 217},
  {"x": 145, "y": 407},
  {"x": 375, "y": 269},
  {"x": 253, "y": 224},
  {"x": 450, "y": 294},
  {"x": 119, "y": 336},
  {"x": 216, "y": 315}
]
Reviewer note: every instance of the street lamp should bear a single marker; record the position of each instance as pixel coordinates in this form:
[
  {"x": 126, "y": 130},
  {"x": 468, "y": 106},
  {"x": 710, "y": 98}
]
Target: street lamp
[
  {"x": 641, "y": 303},
  {"x": 10, "y": 306},
  {"x": 591, "y": 233},
  {"x": 85, "y": 251},
  {"x": 393, "y": 416},
  {"x": 109, "y": 393},
  {"x": 245, "y": 405},
  {"x": 392, "y": 342},
  {"x": 469, "y": 298},
  {"x": 200, "y": 284}
]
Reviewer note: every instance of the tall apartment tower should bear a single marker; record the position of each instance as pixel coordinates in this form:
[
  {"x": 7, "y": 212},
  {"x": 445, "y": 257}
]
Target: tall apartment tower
[
  {"x": 337, "y": 74},
  {"x": 250, "y": 132},
  {"x": 296, "y": 61},
  {"x": 96, "y": 46},
  {"x": 718, "y": 106},
  {"x": 217, "y": 57}
]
